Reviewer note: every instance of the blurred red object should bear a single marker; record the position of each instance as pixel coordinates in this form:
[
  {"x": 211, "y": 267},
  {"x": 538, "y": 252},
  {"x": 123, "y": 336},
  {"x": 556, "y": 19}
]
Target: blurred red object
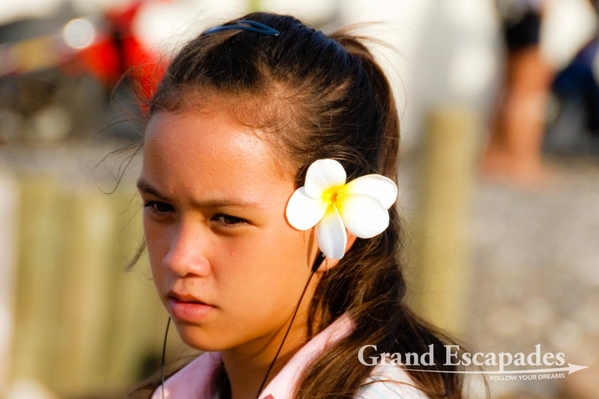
[{"x": 118, "y": 52}]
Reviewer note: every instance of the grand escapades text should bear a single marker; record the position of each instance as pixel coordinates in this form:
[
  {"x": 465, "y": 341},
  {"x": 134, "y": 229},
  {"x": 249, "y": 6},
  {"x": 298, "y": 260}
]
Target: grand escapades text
[{"x": 453, "y": 357}]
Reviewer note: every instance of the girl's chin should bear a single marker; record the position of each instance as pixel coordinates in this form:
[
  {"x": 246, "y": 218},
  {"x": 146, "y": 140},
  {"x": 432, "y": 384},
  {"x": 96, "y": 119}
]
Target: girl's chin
[{"x": 196, "y": 338}]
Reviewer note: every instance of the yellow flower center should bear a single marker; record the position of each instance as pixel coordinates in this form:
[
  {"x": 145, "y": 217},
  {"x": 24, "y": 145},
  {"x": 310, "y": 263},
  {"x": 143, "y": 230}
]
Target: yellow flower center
[{"x": 330, "y": 195}]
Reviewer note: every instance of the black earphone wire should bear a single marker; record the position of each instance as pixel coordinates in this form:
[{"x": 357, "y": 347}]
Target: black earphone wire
[
  {"x": 321, "y": 257},
  {"x": 315, "y": 267},
  {"x": 163, "y": 359}
]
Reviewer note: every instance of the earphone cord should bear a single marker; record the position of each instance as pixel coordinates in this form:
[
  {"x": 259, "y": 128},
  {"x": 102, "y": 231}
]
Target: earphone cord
[
  {"x": 315, "y": 267},
  {"x": 162, "y": 360}
]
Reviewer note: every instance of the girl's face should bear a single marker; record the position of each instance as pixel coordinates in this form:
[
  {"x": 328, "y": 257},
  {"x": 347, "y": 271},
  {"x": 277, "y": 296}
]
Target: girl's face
[{"x": 226, "y": 264}]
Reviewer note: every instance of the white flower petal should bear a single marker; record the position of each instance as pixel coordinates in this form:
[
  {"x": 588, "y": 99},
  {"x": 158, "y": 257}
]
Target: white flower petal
[
  {"x": 363, "y": 215},
  {"x": 377, "y": 186},
  {"x": 304, "y": 212},
  {"x": 331, "y": 234},
  {"x": 323, "y": 175}
]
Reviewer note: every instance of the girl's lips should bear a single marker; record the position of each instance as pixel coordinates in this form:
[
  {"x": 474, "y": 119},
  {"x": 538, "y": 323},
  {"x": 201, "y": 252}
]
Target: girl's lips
[{"x": 188, "y": 311}]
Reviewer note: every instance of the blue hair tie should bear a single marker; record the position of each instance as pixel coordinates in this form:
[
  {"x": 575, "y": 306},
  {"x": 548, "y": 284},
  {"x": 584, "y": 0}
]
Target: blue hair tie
[{"x": 251, "y": 26}]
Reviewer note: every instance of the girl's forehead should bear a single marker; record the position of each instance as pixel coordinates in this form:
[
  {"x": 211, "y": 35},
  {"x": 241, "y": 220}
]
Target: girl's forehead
[
  {"x": 191, "y": 143},
  {"x": 194, "y": 131}
]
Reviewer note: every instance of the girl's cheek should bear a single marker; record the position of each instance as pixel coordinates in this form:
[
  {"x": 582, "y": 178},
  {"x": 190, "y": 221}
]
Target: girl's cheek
[{"x": 156, "y": 243}]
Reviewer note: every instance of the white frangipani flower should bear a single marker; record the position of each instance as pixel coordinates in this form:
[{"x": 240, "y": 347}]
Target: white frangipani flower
[{"x": 360, "y": 206}]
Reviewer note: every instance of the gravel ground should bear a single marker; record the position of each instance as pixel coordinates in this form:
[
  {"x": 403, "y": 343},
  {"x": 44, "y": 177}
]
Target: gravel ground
[{"x": 535, "y": 255}]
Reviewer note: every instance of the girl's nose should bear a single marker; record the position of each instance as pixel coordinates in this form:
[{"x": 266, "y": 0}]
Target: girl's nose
[{"x": 187, "y": 253}]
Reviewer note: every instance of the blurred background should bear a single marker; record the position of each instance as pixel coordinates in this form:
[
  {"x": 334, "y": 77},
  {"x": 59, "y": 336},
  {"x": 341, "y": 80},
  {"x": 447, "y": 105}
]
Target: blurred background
[{"x": 499, "y": 179}]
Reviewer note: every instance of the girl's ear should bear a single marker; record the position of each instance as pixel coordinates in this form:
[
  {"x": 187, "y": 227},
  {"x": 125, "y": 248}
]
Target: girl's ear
[{"x": 329, "y": 263}]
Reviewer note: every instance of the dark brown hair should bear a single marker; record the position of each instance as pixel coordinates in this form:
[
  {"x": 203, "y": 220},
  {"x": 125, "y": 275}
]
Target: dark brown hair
[{"x": 319, "y": 96}]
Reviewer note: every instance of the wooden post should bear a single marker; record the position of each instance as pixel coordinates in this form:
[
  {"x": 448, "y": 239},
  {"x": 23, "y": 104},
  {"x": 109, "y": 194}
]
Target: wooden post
[
  {"x": 9, "y": 193},
  {"x": 441, "y": 267},
  {"x": 44, "y": 210},
  {"x": 84, "y": 302}
]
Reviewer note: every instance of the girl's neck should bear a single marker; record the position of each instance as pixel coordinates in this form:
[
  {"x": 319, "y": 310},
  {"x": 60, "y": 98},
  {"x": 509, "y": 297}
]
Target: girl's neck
[{"x": 246, "y": 367}]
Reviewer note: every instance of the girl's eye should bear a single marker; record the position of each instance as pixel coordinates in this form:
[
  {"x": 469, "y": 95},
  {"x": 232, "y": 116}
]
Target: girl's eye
[
  {"x": 158, "y": 207},
  {"x": 228, "y": 220}
]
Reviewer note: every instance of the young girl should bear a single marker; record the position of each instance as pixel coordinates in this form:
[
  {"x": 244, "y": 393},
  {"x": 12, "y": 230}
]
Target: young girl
[{"x": 268, "y": 182}]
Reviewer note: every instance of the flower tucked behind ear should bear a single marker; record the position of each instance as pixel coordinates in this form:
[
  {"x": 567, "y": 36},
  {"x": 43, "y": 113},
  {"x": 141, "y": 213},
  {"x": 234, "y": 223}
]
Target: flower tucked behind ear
[{"x": 359, "y": 206}]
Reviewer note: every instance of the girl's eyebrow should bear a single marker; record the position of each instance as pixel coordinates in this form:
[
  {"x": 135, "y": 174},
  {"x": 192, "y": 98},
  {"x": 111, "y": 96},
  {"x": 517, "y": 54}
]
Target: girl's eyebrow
[{"x": 146, "y": 187}]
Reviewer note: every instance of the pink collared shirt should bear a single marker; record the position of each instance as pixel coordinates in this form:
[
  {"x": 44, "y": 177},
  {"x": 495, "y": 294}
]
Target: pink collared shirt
[{"x": 195, "y": 379}]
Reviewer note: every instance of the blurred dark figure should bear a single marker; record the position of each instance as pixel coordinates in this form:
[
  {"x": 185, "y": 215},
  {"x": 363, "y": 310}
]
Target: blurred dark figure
[
  {"x": 513, "y": 152},
  {"x": 39, "y": 94},
  {"x": 58, "y": 74},
  {"x": 574, "y": 129}
]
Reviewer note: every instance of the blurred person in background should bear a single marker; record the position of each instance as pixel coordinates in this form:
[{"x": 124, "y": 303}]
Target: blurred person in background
[
  {"x": 573, "y": 128},
  {"x": 513, "y": 151}
]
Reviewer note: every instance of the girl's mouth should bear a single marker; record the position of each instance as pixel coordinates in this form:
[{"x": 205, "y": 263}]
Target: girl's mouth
[{"x": 188, "y": 309}]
